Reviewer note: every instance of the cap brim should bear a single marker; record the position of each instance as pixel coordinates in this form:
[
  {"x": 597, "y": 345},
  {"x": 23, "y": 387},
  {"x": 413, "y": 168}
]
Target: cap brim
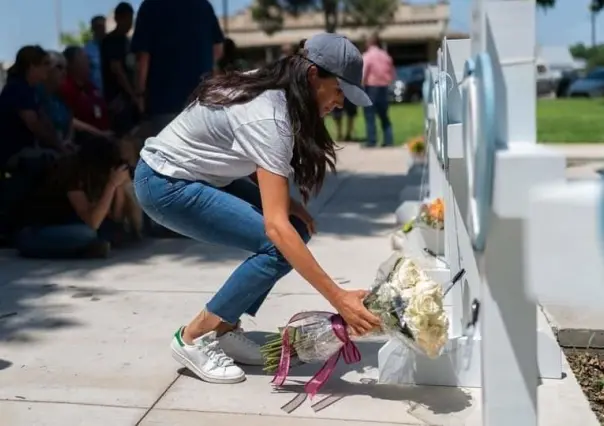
[{"x": 355, "y": 94}]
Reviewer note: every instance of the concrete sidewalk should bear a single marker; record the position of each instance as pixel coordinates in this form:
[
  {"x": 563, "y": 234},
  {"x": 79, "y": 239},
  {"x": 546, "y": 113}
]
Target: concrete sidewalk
[
  {"x": 86, "y": 343},
  {"x": 580, "y": 153}
]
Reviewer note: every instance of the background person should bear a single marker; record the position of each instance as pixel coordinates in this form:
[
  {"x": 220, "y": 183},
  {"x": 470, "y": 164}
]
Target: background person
[
  {"x": 118, "y": 73},
  {"x": 378, "y": 75},
  {"x": 176, "y": 44},
  {"x": 350, "y": 111},
  {"x": 98, "y": 28},
  {"x": 230, "y": 60},
  {"x": 78, "y": 207},
  {"x": 24, "y": 134},
  {"x": 53, "y": 108},
  {"x": 84, "y": 99}
]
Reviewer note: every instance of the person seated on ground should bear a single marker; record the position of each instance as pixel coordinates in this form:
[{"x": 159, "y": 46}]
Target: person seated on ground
[
  {"x": 53, "y": 109},
  {"x": 230, "y": 60},
  {"x": 81, "y": 207},
  {"x": 90, "y": 113},
  {"x": 23, "y": 132},
  {"x": 79, "y": 93},
  {"x": 59, "y": 112}
]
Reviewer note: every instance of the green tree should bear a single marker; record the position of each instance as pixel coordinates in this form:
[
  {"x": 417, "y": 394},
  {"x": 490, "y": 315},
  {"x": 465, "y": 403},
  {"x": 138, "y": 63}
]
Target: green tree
[
  {"x": 580, "y": 51},
  {"x": 595, "y": 4},
  {"x": 77, "y": 38},
  {"x": 372, "y": 13},
  {"x": 593, "y": 55}
]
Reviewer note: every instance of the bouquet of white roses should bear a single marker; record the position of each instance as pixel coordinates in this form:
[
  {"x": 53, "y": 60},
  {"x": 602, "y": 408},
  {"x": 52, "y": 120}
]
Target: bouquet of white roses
[{"x": 407, "y": 301}]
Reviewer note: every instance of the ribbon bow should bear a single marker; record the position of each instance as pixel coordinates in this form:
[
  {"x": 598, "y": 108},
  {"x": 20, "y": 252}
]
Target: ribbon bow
[{"x": 348, "y": 351}]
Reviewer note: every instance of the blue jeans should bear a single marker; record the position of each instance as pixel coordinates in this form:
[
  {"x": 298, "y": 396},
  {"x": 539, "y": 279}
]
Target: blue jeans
[
  {"x": 63, "y": 241},
  {"x": 229, "y": 216},
  {"x": 379, "y": 97},
  {"x": 55, "y": 241}
]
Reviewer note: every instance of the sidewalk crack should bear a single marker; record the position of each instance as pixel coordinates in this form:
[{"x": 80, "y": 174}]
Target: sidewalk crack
[{"x": 146, "y": 413}]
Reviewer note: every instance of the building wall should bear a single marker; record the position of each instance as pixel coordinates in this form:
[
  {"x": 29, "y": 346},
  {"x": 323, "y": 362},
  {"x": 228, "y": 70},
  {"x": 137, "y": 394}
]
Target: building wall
[
  {"x": 412, "y": 37},
  {"x": 403, "y": 53},
  {"x": 410, "y": 22}
]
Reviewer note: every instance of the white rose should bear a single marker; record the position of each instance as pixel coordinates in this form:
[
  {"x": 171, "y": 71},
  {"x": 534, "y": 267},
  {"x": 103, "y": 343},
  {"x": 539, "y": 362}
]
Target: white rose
[
  {"x": 441, "y": 321},
  {"x": 429, "y": 286},
  {"x": 428, "y": 305},
  {"x": 407, "y": 293},
  {"x": 409, "y": 274}
]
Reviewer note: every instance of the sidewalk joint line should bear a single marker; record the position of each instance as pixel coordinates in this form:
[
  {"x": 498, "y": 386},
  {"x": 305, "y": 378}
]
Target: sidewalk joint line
[
  {"x": 146, "y": 413},
  {"x": 289, "y": 416},
  {"x": 85, "y": 404}
]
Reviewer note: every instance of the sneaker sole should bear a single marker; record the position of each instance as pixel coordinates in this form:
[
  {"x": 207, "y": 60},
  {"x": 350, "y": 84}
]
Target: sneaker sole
[{"x": 178, "y": 357}]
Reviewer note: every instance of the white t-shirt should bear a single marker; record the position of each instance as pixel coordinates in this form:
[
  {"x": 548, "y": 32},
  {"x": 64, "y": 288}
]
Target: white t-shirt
[{"x": 218, "y": 145}]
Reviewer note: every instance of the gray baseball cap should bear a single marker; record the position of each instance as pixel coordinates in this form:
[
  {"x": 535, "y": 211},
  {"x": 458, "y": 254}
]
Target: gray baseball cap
[{"x": 337, "y": 55}]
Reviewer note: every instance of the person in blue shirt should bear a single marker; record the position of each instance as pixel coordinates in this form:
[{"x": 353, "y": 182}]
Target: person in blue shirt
[
  {"x": 22, "y": 127},
  {"x": 98, "y": 27},
  {"x": 175, "y": 46},
  {"x": 27, "y": 141},
  {"x": 56, "y": 111}
]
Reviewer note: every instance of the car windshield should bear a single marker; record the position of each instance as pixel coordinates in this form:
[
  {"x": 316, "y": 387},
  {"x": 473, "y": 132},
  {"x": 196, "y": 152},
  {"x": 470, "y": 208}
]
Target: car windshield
[
  {"x": 410, "y": 73},
  {"x": 596, "y": 75}
]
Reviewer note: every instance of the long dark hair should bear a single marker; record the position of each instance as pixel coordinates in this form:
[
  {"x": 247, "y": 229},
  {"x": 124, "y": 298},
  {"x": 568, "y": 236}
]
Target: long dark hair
[
  {"x": 27, "y": 57},
  {"x": 88, "y": 168},
  {"x": 314, "y": 149}
]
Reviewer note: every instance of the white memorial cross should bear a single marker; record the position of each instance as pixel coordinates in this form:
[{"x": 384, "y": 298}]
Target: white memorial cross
[
  {"x": 497, "y": 166},
  {"x": 565, "y": 244},
  {"x": 504, "y": 165}
]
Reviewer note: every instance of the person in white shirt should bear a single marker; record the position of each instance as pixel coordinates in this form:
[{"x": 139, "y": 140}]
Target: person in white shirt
[{"x": 219, "y": 173}]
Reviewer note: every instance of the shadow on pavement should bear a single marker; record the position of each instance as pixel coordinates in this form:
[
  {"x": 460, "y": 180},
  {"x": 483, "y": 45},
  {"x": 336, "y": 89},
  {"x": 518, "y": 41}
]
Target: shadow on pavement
[
  {"x": 436, "y": 399},
  {"x": 362, "y": 206},
  {"x": 4, "y": 364}
]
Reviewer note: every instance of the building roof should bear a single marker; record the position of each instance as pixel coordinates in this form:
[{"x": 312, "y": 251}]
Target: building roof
[
  {"x": 555, "y": 55},
  {"x": 411, "y": 22}
]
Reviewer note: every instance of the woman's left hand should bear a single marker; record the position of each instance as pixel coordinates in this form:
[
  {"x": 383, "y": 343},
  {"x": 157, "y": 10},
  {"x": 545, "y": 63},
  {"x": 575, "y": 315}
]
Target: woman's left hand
[{"x": 298, "y": 210}]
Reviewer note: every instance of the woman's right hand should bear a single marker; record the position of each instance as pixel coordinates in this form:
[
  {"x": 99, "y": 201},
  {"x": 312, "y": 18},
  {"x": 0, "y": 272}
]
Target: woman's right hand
[
  {"x": 119, "y": 175},
  {"x": 350, "y": 306}
]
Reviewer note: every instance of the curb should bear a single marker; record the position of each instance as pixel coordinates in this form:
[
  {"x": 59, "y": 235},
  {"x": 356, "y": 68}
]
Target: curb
[{"x": 576, "y": 338}]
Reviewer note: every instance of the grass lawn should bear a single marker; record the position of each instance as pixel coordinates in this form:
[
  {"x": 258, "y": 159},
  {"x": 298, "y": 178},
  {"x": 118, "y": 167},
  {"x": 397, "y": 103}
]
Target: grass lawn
[{"x": 558, "y": 121}]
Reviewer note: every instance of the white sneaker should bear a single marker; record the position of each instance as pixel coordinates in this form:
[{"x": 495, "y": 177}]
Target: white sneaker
[
  {"x": 206, "y": 359},
  {"x": 240, "y": 348}
]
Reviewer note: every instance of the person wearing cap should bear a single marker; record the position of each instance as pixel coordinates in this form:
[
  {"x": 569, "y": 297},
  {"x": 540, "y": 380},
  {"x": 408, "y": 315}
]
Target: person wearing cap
[{"x": 220, "y": 173}]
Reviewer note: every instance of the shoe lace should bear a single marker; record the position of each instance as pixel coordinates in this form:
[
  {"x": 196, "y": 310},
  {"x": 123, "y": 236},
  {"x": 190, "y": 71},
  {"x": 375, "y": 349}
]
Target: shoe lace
[{"x": 216, "y": 354}]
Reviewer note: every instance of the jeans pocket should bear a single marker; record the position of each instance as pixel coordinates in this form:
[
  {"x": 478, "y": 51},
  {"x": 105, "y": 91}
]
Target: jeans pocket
[{"x": 145, "y": 199}]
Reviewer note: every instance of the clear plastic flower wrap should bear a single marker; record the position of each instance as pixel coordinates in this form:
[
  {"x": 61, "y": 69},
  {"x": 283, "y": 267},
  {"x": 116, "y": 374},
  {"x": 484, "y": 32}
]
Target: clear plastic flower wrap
[{"x": 408, "y": 302}]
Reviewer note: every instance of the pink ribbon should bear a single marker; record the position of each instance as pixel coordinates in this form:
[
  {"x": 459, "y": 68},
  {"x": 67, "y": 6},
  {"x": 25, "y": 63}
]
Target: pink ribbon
[{"x": 348, "y": 351}]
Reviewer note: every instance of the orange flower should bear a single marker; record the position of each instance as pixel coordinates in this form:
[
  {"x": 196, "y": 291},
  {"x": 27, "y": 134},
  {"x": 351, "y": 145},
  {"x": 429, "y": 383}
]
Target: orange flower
[
  {"x": 416, "y": 145},
  {"x": 436, "y": 209}
]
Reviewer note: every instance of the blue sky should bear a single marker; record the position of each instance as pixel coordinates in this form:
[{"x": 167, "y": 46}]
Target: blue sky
[{"x": 34, "y": 21}]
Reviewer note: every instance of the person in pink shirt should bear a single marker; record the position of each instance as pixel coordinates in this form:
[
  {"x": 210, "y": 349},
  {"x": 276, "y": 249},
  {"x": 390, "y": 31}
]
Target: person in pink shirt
[{"x": 378, "y": 74}]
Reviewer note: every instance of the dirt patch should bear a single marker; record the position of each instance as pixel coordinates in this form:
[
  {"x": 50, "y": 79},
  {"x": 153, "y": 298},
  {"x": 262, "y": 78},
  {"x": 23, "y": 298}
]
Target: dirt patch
[{"x": 588, "y": 367}]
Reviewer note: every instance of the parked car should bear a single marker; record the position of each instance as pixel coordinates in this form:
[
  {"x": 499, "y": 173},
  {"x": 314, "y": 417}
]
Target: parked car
[
  {"x": 546, "y": 85},
  {"x": 592, "y": 85},
  {"x": 408, "y": 85},
  {"x": 566, "y": 80}
]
